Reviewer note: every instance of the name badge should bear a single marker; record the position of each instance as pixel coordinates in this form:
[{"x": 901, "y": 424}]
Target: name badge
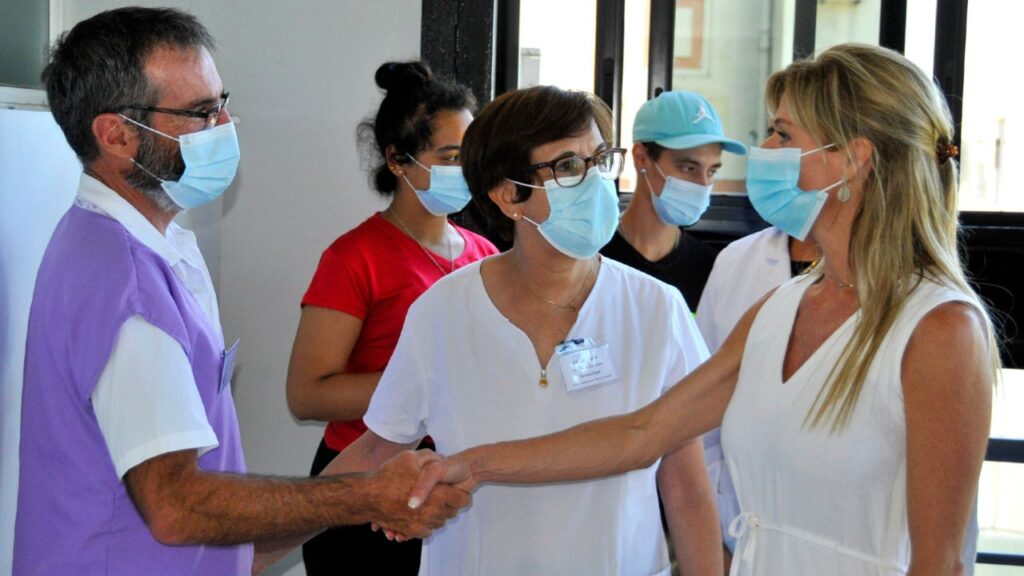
[
  {"x": 228, "y": 367},
  {"x": 585, "y": 364}
]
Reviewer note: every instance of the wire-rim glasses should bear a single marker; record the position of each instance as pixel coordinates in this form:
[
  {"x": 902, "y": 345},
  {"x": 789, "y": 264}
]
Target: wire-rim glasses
[
  {"x": 210, "y": 116},
  {"x": 569, "y": 171}
]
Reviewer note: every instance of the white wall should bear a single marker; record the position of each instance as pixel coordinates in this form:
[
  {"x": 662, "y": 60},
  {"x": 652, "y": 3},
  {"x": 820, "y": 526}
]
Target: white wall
[
  {"x": 301, "y": 78},
  {"x": 35, "y": 190}
]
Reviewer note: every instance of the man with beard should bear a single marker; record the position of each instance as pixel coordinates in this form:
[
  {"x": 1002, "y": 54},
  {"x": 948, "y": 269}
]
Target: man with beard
[{"x": 131, "y": 460}]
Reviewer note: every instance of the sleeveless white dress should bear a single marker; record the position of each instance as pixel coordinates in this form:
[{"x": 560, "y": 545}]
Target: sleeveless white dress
[{"x": 814, "y": 503}]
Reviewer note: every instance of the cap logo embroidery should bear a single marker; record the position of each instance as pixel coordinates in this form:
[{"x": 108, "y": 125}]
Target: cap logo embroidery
[{"x": 702, "y": 114}]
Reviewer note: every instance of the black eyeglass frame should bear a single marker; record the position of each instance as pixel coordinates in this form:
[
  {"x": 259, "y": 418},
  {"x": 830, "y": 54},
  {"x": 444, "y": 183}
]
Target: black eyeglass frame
[
  {"x": 212, "y": 115},
  {"x": 587, "y": 160}
]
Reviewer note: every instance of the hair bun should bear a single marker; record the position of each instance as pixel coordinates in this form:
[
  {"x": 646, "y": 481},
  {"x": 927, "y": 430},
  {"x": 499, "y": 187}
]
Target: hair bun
[{"x": 403, "y": 76}]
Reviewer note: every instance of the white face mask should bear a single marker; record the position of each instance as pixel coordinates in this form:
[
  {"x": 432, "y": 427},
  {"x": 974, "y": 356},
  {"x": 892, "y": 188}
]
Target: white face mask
[{"x": 681, "y": 202}]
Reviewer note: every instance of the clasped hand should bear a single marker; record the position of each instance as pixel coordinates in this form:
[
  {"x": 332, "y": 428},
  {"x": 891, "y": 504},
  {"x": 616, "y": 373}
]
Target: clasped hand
[
  {"x": 442, "y": 487},
  {"x": 419, "y": 493}
]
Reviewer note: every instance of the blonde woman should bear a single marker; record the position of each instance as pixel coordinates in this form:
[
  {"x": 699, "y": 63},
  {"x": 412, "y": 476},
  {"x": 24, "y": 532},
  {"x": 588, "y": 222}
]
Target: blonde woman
[{"x": 854, "y": 400}]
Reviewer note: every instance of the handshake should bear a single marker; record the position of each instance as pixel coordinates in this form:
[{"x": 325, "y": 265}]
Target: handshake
[{"x": 418, "y": 492}]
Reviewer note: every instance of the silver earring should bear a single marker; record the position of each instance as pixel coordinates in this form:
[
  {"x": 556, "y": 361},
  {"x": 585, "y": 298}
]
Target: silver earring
[
  {"x": 643, "y": 170},
  {"x": 844, "y": 193}
]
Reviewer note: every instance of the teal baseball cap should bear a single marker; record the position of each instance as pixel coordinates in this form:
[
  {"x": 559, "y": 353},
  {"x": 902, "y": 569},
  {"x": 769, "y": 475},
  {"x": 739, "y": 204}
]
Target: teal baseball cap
[{"x": 680, "y": 120}]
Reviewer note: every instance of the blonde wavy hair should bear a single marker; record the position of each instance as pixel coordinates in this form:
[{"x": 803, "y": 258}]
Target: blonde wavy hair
[{"x": 906, "y": 227}]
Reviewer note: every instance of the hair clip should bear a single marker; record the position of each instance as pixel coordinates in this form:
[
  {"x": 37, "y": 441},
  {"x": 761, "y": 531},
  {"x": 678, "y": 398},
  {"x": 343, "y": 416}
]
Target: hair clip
[{"x": 944, "y": 151}]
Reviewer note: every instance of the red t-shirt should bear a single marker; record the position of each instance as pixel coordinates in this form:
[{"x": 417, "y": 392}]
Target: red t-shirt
[{"x": 374, "y": 272}]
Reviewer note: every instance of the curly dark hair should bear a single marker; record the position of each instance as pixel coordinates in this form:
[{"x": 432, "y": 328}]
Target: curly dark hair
[{"x": 413, "y": 97}]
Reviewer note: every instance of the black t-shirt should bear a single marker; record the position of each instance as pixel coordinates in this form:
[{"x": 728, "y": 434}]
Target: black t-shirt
[{"x": 687, "y": 267}]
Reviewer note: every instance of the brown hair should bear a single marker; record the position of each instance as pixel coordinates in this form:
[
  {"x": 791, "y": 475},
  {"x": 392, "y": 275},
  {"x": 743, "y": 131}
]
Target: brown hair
[{"x": 498, "y": 143}]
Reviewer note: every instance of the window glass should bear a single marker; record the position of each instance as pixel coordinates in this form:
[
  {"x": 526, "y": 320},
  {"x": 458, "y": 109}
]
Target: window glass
[
  {"x": 725, "y": 50},
  {"x": 840, "y": 21},
  {"x": 557, "y": 41},
  {"x": 992, "y": 136},
  {"x": 636, "y": 59},
  {"x": 919, "y": 42},
  {"x": 24, "y": 36},
  {"x": 1000, "y": 498}
]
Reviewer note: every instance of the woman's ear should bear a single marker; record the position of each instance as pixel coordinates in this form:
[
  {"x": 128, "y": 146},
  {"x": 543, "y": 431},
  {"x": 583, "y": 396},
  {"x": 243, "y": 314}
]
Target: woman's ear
[
  {"x": 506, "y": 197},
  {"x": 393, "y": 158},
  {"x": 861, "y": 151}
]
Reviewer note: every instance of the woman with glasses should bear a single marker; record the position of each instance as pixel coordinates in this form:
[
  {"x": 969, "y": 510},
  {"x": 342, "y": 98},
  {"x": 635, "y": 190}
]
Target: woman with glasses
[
  {"x": 541, "y": 337},
  {"x": 353, "y": 311},
  {"x": 854, "y": 400}
]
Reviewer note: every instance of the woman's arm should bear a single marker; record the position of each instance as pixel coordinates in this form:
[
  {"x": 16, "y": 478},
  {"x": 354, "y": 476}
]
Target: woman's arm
[
  {"x": 947, "y": 391},
  {"x": 317, "y": 386},
  {"x": 609, "y": 445},
  {"x": 689, "y": 502}
]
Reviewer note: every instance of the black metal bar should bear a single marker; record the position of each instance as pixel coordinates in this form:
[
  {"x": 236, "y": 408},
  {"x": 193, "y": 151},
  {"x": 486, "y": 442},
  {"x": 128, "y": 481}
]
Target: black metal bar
[
  {"x": 661, "y": 48},
  {"x": 804, "y": 27},
  {"x": 892, "y": 32},
  {"x": 457, "y": 39},
  {"x": 611, "y": 16},
  {"x": 950, "y": 46},
  {"x": 506, "y": 47},
  {"x": 1003, "y": 450},
  {"x": 1000, "y": 559}
]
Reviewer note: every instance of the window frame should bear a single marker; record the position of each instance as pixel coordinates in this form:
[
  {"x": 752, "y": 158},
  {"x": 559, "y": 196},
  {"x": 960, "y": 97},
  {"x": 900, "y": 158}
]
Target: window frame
[{"x": 15, "y": 98}]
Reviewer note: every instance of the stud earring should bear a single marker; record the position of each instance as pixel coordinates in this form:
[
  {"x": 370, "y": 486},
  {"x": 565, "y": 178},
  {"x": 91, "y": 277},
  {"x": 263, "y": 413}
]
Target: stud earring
[{"x": 643, "y": 170}]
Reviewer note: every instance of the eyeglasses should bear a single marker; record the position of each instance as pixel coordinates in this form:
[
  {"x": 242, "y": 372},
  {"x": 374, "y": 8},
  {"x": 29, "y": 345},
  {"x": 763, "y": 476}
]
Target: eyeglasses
[
  {"x": 569, "y": 171},
  {"x": 211, "y": 115}
]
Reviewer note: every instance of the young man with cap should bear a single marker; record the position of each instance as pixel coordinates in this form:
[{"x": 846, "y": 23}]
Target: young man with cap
[{"x": 677, "y": 150}]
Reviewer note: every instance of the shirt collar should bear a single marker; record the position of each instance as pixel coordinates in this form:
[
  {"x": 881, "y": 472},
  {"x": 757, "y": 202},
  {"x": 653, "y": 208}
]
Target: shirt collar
[{"x": 98, "y": 194}]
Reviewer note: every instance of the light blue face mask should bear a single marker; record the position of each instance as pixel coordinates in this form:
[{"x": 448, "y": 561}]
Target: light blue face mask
[
  {"x": 448, "y": 192},
  {"x": 211, "y": 161},
  {"x": 772, "y": 176},
  {"x": 681, "y": 202},
  {"x": 583, "y": 218}
]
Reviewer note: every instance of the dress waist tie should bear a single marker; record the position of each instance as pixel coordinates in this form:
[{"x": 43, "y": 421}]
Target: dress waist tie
[{"x": 745, "y": 527}]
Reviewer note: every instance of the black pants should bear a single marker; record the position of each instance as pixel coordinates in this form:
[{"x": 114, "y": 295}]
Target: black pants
[{"x": 357, "y": 549}]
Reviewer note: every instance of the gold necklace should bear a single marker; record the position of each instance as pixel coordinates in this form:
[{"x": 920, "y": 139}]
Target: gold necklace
[
  {"x": 572, "y": 306},
  {"x": 433, "y": 260}
]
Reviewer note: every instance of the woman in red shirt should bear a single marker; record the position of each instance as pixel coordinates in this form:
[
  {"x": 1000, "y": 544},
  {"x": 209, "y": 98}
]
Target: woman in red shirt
[{"x": 356, "y": 304}]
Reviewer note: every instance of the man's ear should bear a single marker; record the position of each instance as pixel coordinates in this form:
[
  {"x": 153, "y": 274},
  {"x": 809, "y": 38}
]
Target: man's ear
[
  {"x": 640, "y": 157},
  {"x": 115, "y": 136}
]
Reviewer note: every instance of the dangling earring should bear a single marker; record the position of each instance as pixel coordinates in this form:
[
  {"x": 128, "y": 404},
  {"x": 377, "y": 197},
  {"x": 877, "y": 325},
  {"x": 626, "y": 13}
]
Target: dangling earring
[{"x": 844, "y": 193}]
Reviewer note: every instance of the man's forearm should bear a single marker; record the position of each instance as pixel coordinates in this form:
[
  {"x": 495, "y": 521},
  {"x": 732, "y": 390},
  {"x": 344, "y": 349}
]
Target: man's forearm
[
  {"x": 231, "y": 509},
  {"x": 183, "y": 505}
]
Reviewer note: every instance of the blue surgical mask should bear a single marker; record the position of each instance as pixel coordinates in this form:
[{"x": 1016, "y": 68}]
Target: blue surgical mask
[
  {"x": 772, "y": 176},
  {"x": 681, "y": 202},
  {"x": 211, "y": 161},
  {"x": 448, "y": 192},
  {"x": 582, "y": 218}
]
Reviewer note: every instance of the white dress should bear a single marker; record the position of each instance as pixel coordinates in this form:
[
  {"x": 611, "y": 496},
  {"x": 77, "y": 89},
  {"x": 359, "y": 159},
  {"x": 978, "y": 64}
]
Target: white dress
[
  {"x": 812, "y": 503},
  {"x": 465, "y": 375}
]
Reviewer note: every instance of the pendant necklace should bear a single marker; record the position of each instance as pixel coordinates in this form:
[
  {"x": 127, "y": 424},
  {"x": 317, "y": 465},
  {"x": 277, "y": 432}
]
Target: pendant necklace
[{"x": 433, "y": 260}]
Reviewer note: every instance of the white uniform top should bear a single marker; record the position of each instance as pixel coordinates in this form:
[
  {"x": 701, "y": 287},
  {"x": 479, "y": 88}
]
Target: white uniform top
[
  {"x": 146, "y": 401},
  {"x": 465, "y": 375},
  {"x": 815, "y": 503},
  {"x": 743, "y": 272}
]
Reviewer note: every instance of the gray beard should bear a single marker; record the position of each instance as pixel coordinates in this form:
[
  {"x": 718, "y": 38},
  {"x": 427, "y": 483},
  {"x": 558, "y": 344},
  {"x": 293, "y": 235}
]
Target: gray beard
[{"x": 162, "y": 162}]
